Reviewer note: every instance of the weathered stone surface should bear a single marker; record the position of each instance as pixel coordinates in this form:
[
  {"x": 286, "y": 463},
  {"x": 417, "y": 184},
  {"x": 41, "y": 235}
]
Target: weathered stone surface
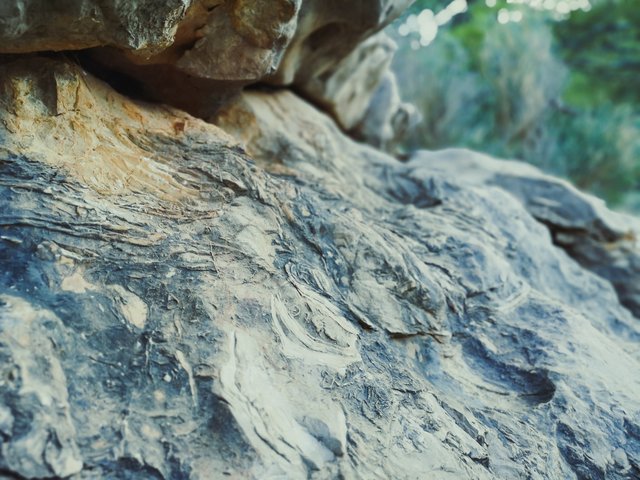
[
  {"x": 387, "y": 120},
  {"x": 223, "y": 46},
  {"x": 34, "y": 405},
  {"x": 603, "y": 241},
  {"x": 192, "y": 54},
  {"x": 198, "y": 54},
  {"x": 37, "y": 25},
  {"x": 324, "y": 312},
  {"x": 237, "y": 40},
  {"x": 53, "y": 112},
  {"x": 328, "y": 31},
  {"x": 327, "y": 60},
  {"x": 219, "y": 47},
  {"x": 346, "y": 90}
]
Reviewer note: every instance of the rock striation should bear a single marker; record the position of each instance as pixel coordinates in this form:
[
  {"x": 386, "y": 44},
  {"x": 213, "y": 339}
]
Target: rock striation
[
  {"x": 266, "y": 298},
  {"x": 261, "y": 296},
  {"x": 602, "y": 241}
]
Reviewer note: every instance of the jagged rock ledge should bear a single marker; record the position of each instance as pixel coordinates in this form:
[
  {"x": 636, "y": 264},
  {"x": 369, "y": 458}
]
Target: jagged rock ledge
[{"x": 199, "y": 54}]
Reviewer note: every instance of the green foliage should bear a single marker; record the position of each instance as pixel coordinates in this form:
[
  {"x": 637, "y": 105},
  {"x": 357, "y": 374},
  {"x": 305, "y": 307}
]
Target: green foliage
[
  {"x": 599, "y": 150},
  {"x": 562, "y": 95},
  {"x": 472, "y": 27},
  {"x": 583, "y": 92},
  {"x": 420, "y": 5},
  {"x": 447, "y": 92},
  {"x": 525, "y": 78},
  {"x": 603, "y": 45}
]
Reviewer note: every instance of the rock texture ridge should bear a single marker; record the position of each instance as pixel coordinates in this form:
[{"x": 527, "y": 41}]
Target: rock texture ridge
[{"x": 266, "y": 298}]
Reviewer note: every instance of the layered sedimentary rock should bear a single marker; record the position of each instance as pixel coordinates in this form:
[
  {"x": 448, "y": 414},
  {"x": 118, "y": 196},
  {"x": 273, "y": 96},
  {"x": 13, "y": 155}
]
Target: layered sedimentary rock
[
  {"x": 603, "y": 241},
  {"x": 266, "y": 298}
]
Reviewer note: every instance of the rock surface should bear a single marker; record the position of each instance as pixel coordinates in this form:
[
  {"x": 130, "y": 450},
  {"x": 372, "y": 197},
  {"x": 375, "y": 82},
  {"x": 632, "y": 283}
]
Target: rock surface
[
  {"x": 331, "y": 62},
  {"x": 36, "y": 25},
  {"x": 328, "y": 31},
  {"x": 197, "y": 54},
  {"x": 219, "y": 47},
  {"x": 347, "y": 89},
  {"x": 605, "y": 242},
  {"x": 388, "y": 120},
  {"x": 266, "y": 298}
]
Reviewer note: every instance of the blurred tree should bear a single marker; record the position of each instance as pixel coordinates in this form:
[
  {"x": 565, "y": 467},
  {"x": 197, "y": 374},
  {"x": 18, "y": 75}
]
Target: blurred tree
[
  {"x": 602, "y": 47},
  {"x": 599, "y": 149},
  {"x": 420, "y": 5},
  {"x": 557, "y": 89}
]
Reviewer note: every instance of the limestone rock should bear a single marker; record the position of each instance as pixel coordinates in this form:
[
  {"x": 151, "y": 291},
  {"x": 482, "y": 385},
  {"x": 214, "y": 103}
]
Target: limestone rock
[
  {"x": 346, "y": 90},
  {"x": 603, "y": 241},
  {"x": 233, "y": 40},
  {"x": 191, "y": 54},
  {"x": 177, "y": 303},
  {"x": 319, "y": 47},
  {"x": 219, "y": 47},
  {"x": 328, "y": 31},
  {"x": 39, "y": 439},
  {"x": 36, "y": 25},
  {"x": 331, "y": 62}
]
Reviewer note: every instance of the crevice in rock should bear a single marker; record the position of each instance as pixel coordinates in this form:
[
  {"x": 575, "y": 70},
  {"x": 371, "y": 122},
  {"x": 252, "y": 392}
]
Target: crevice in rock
[
  {"x": 10, "y": 475},
  {"x": 119, "y": 81},
  {"x": 581, "y": 244}
]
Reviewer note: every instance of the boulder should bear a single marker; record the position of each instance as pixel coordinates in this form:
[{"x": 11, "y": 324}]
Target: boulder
[
  {"x": 198, "y": 54},
  {"x": 219, "y": 47},
  {"x": 328, "y": 31},
  {"x": 144, "y": 26},
  {"x": 347, "y": 89},
  {"x": 232, "y": 40},
  {"x": 317, "y": 47},
  {"x": 266, "y": 298},
  {"x": 191, "y": 54},
  {"x": 331, "y": 59},
  {"x": 601, "y": 240}
]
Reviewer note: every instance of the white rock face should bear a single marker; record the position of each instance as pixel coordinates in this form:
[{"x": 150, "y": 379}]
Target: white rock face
[
  {"x": 337, "y": 59},
  {"x": 329, "y": 31},
  {"x": 387, "y": 119},
  {"x": 348, "y": 88},
  {"x": 266, "y": 298}
]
